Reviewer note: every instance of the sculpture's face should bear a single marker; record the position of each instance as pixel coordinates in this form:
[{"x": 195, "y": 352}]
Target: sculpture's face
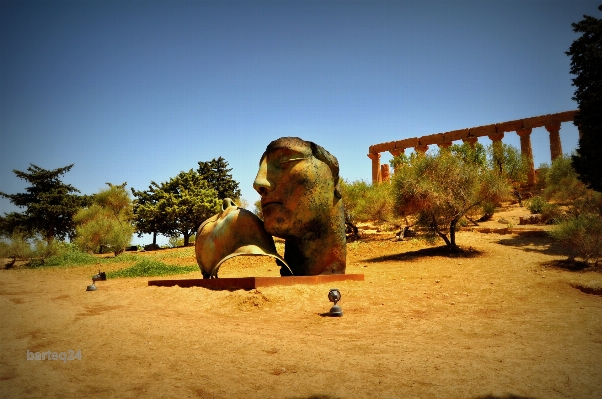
[{"x": 297, "y": 189}]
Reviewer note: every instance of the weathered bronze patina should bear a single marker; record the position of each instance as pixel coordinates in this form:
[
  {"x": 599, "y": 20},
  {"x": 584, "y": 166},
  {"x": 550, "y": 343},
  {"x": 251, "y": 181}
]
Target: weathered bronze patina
[
  {"x": 233, "y": 232},
  {"x": 301, "y": 203}
]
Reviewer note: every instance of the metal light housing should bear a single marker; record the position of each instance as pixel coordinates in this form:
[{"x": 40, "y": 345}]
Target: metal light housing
[
  {"x": 334, "y": 295},
  {"x": 101, "y": 276}
]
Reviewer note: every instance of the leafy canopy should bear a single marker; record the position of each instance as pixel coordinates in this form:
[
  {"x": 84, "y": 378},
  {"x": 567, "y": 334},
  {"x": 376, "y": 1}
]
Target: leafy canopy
[
  {"x": 562, "y": 183},
  {"x": 106, "y": 224},
  {"x": 176, "y": 207},
  {"x": 364, "y": 201},
  {"x": 217, "y": 175},
  {"x": 508, "y": 162},
  {"x": 147, "y": 220}
]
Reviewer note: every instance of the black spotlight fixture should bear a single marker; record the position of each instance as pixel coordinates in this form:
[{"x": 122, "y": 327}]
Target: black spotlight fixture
[
  {"x": 101, "y": 276},
  {"x": 334, "y": 295}
]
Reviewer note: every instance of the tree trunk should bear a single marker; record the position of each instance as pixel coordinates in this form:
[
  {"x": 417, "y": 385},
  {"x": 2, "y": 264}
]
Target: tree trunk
[
  {"x": 186, "y": 238},
  {"x": 154, "y": 239},
  {"x": 50, "y": 234},
  {"x": 452, "y": 235},
  {"x": 440, "y": 234}
]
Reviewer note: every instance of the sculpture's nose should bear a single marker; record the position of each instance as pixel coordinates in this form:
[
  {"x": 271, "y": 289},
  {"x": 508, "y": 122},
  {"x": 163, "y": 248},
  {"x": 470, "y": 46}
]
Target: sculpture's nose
[
  {"x": 226, "y": 203},
  {"x": 261, "y": 184}
]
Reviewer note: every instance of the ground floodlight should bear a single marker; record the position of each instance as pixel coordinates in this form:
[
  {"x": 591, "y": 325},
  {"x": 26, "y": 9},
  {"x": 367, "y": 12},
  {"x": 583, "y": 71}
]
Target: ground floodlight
[
  {"x": 334, "y": 295},
  {"x": 101, "y": 276}
]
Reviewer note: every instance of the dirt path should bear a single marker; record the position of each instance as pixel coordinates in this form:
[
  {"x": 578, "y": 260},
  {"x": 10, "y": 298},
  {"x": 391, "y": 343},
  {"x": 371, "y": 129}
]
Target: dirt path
[{"x": 503, "y": 323}]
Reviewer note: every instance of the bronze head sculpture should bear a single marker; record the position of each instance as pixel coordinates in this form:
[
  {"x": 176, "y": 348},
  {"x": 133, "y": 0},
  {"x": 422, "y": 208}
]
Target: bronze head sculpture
[
  {"x": 232, "y": 232},
  {"x": 298, "y": 182}
]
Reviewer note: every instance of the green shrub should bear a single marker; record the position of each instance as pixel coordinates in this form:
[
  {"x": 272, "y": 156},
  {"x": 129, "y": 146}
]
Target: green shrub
[
  {"x": 71, "y": 257},
  {"x": 4, "y": 249},
  {"x": 105, "y": 226},
  {"x": 582, "y": 236},
  {"x": 535, "y": 205},
  {"x": 123, "y": 258},
  {"x": 100, "y": 232},
  {"x": 562, "y": 184},
  {"x": 17, "y": 247},
  {"x": 551, "y": 213},
  {"x": 462, "y": 224},
  {"x": 45, "y": 250},
  {"x": 589, "y": 203},
  {"x": 178, "y": 241},
  {"x": 150, "y": 268},
  {"x": 365, "y": 202},
  {"x": 542, "y": 173},
  {"x": 488, "y": 209}
]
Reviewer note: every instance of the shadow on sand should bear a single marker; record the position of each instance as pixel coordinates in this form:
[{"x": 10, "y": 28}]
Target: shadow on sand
[
  {"x": 572, "y": 265},
  {"x": 315, "y": 397},
  {"x": 545, "y": 244},
  {"x": 534, "y": 243},
  {"x": 510, "y": 396},
  {"x": 443, "y": 251}
]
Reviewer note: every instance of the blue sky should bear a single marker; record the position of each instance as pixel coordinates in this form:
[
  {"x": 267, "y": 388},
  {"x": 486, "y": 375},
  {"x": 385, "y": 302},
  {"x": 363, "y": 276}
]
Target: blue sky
[{"x": 134, "y": 91}]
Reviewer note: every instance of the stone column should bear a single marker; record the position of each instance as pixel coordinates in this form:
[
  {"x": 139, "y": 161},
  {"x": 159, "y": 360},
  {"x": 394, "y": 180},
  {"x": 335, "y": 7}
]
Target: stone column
[
  {"x": 421, "y": 149},
  {"x": 375, "y": 157},
  {"x": 527, "y": 151},
  {"x": 496, "y": 139},
  {"x": 471, "y": 141},
  {"x": 555, "y": 145},
  {"x": 385, "y": 175}
]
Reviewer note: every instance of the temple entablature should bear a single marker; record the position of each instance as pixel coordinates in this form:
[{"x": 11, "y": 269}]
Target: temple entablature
[{"x": 494, "y": 132}]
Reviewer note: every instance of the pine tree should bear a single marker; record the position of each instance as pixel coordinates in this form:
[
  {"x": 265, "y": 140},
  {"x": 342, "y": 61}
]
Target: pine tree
[
  {"x": 586, "y": 65},
  {"x": 50, "y": 205},
  {"x": 147, "y": 220},
  {"x": 177, "y": 207},
  {"x": 217, "y": 174}
]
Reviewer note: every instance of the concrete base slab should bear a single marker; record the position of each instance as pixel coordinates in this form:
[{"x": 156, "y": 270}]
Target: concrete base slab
[{"x": 249, "y": 283}]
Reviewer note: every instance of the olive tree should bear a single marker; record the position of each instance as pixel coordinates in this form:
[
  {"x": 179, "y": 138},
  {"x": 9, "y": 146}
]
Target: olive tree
[{"x": 441, "y": 188}]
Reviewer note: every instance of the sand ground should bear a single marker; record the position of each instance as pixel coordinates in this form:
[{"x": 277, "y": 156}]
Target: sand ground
[{"x": 507, "y": 321}]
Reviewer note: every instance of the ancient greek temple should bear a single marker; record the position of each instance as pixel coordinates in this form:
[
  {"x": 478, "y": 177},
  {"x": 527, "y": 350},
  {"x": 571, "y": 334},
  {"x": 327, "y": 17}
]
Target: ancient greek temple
[{"x": 495, "y": 132}]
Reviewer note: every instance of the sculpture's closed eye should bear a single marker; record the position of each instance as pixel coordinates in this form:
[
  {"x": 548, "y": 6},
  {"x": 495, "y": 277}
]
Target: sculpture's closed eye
[{"x": 287, "y": 161}]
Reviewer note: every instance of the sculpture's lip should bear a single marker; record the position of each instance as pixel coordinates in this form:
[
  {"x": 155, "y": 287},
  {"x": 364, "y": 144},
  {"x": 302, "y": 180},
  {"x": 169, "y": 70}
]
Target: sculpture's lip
[{"x": 266, "y": 203}]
